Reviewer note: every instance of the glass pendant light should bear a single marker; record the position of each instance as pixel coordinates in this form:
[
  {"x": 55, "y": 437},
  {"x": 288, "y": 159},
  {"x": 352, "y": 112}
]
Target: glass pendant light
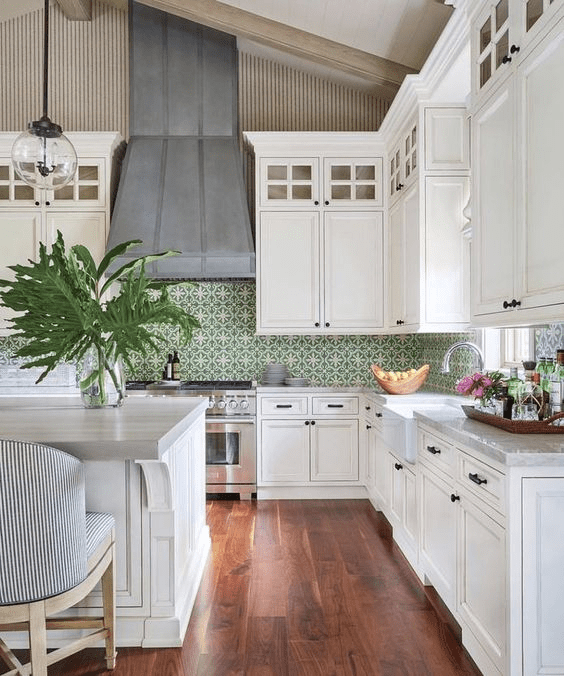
[{"x": 42, "y": 155}]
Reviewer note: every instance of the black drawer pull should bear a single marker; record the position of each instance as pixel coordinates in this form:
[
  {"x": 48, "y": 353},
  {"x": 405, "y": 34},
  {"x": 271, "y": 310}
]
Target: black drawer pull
[
  {"x": 476, "y": 479},
  {"x": 335, "y": 405},
  {"x": 284, "y": 405},
  {"x": 367, "y": 408},
  {"x": 433, "y": 450},
  {"x": 378, "y": 415},
  {"x": 398, "y": 466},
  {"x": 454, "y": 498},
  {"x": 368, "y": 427}
]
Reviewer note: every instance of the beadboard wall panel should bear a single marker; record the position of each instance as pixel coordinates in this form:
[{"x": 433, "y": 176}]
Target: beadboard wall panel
[
  {"x": 89, "y": 87},
  {"x": 276, "y": 97},
  {"x": 88, "y": 70}
]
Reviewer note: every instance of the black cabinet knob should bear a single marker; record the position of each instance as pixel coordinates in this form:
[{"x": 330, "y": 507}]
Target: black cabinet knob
[
  {"x": 316, "y": 323},
  {"x": 515, "y": 303},
  {"x": 378, "y": 415},
  {"x": 506, "y": 59},
  {"x": 506, "y": 304},
  {"x": 515, "y": 49},
  {"x": 398, "y": 466},
  {"x": 37, "y": 204},
  {"x": 454, "y": 498},
  {"x": 326, "y": 203},
  {"x": 367, "y": 408},
  {"x": 327, "y": 324},
  {"x": 313, "y": 422},
  {"x": 306, "y": 422},
  {"x": 399, "y": 322},
  {"x": 316, "y": 202},
  {"x": 48, "y": 203},
  {"x": 368, "y": 427},
  {"x": 399, "y": 186}
]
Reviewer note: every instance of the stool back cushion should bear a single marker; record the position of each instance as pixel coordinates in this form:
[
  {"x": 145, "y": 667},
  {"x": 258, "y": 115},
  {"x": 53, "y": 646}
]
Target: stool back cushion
[{"x": 42, "y": 522}]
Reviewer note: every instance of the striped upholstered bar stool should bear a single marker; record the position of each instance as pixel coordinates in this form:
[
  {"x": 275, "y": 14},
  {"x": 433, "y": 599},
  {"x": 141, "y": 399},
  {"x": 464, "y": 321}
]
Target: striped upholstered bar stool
[{"x": 52, "y": 554}]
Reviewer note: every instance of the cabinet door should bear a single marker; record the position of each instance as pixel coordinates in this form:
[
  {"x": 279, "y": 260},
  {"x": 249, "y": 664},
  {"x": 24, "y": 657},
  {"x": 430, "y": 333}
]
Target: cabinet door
[
  {"x": 352, "y": 182},
  {"x": 481, "y": 594},
  {"x": 405, "y": 256},
  {"x": 493, "y": 31},
  {"x": 289, "y": 182},
  {"x": 382, "y": 474},
  {"x": 285, "y": 451},
  {"x": 353, "y": 271},
  {"x": 21, "y": 234},
  {"x": 334, "y": 450},
  {"x": 447, "y": 139},
  {"x": 84, "y": 228},
  {"x": 370, "y": 457},
  {"x": 14, "y": 193},
  {"x": 542, "y": 105},
  {"x": 288, "y": 271},
  {"x": 397, "y": 496},
  {"x": 410, "y": 514},
  {"x": 87, "y": 189},
  {"x": 447, "y": 258},
  {"x": 438, "y": 535},
  {"x": 493, "y": 212},
  {"x": 543, "y": 562}
]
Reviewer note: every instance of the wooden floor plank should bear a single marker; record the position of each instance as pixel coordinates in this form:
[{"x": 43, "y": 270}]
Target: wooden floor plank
[{"x": 301, "y": 588}]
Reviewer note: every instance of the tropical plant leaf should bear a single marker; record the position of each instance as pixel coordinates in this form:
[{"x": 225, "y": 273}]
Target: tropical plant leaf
[{"x": 61, "y": 311}]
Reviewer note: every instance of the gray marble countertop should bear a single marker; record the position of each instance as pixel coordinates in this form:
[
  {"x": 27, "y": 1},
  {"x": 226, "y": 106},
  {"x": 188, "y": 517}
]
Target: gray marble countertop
[
  {"x": 141, "y": 429},
  {"x": 504, "y": 447}
]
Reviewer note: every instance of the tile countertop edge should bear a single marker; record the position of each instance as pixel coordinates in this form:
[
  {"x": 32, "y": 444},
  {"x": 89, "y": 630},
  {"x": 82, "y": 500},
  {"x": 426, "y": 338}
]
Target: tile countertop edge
[{"x": 503, "y": 447}]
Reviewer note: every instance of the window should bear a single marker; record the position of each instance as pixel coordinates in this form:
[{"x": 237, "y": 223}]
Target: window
[{"x": 504, "y": 348}]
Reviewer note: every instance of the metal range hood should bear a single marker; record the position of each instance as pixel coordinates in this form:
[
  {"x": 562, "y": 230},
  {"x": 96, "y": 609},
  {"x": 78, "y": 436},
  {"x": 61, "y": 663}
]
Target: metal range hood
[{"x": 181, "y": 184}]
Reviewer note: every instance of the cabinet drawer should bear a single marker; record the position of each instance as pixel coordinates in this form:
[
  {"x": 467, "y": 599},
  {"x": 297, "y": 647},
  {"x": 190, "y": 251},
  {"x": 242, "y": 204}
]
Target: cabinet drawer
[
  {"x": 482, "y": 481},
  {"x": 335, "y": 405},
  {"x": 284, "y": 406},
  {"x": 437, "y": 453}
]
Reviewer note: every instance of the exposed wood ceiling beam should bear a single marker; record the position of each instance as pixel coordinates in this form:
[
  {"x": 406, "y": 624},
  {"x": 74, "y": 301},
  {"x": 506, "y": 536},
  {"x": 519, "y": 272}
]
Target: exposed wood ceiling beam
[
  {"x": 77, "y": 10},
  {"x": 218, "y": 15}
]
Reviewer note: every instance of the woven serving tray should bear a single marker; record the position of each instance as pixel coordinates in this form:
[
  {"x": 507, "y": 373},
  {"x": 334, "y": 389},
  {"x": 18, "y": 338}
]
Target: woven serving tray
[{"x": 517, "y": 426}]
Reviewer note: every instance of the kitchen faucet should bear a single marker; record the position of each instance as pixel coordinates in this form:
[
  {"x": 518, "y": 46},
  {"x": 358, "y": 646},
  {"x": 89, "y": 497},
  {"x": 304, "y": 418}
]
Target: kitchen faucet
[{"x": 455, "y": 346}]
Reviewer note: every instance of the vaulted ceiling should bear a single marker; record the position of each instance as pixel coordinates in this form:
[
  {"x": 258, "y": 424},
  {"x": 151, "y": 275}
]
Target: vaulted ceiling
[{"x": 379, "y": 41}]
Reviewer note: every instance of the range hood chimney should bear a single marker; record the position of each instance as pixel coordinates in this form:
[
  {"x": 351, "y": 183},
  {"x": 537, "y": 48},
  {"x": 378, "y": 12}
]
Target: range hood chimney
[{"x": 181, "y": 185}]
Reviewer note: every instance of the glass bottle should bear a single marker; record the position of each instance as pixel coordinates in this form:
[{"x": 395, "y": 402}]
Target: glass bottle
[
  {"x": 168, "y": 367},
  {"x": 513, "y": 382},
  {"x": 176, "y": 366}
]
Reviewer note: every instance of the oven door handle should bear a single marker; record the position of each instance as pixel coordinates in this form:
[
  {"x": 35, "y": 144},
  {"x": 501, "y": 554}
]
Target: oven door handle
[{"x": 232, "y": 420}]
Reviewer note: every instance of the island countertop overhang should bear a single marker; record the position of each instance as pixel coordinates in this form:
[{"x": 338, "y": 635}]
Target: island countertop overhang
[{"x": 141, "y": 429}]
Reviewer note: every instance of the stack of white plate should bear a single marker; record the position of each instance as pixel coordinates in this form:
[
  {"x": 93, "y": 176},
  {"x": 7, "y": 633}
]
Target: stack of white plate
[{"x": 275, "y": 374}]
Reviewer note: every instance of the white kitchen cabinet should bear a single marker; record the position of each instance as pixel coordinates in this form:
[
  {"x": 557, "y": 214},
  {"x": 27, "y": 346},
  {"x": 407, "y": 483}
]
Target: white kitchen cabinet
[
  {"x": 320, "y": 276},
  {"x": 404, "y": 161},
  {"x": 428, "y": 278},
  {"x": 403, "y": 506},
  {"x": 518, "y": 278},
  {"x": 308, "y": 440},
  {"x": 320, "y": 233},
  {"x": 543, "y": 563},
  {"x": 285, "y": 451},
  {"x": 502, "y": 34},
  {"x": 80, "y": 210},
  {"x": 334, "y": 450},
  {"x": 437, "y": 536}
]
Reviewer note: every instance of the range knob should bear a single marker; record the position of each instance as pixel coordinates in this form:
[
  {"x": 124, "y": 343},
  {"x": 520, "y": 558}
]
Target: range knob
[
  {"x": 211, "y": 402},
  {"x": 221, "y": 403},
  {"x": 232, "y": 404},
  {"x": 244, "y": 404}
]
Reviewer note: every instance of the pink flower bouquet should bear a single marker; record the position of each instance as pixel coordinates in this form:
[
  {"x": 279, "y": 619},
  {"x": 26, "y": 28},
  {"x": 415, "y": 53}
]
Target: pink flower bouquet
[{"x": 481, "y": 385}]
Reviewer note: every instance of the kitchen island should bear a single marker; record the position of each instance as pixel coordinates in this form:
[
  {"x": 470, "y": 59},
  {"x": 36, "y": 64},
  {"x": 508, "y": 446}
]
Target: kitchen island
[{"x": 145, "y": 463}]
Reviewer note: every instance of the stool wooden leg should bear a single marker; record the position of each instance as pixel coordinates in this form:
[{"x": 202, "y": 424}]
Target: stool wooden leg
[
  {"x": 38, "y": 638},
  {"x": 109, "y": 593}
]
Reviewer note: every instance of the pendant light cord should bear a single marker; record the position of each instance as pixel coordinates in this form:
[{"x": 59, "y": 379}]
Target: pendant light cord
[{"x": 45, "y": 58}]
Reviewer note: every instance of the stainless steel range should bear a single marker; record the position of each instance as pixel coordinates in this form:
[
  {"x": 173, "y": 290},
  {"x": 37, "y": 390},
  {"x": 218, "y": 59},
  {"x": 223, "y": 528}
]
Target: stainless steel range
[{"x": 230, "y": 428}]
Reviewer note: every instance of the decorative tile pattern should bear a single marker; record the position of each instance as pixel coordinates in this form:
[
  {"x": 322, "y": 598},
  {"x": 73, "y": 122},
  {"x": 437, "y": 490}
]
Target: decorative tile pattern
[
  {"x": 226, "y": 346},
  {"x": 548, "y": 340}
]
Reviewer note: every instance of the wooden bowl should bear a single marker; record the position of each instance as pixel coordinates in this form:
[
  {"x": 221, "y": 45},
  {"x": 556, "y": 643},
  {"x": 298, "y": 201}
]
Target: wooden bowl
[{"x": 405, "y": 386}]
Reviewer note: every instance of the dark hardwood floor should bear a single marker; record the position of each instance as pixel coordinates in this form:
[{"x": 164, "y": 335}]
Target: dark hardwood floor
[{"x": 301, "y": 588}]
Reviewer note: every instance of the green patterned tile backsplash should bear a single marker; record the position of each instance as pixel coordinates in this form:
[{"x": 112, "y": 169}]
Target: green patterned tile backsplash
[{"x": 226, "y": 346}]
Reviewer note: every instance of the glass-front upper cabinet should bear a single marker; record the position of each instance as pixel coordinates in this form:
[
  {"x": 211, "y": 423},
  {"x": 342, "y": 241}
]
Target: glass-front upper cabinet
[
  {"x": 86, "y": 189},
  {"x": 502, "y": 33},
  {"x": 350, "y": 181},
  {"x": 289, "y": 181},
  {"x": 404, "y": 161}
]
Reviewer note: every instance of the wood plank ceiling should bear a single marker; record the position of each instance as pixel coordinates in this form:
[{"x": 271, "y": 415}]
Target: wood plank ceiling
[{"x": 379, "y": 41}]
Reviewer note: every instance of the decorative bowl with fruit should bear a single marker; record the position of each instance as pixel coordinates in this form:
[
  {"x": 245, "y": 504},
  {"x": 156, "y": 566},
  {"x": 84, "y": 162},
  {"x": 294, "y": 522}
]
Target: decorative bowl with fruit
[{"x": 400, "y": 382}]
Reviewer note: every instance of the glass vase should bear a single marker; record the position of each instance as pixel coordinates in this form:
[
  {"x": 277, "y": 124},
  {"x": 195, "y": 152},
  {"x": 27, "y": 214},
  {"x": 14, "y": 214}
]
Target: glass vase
[{"x": 102, "y": 383}]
